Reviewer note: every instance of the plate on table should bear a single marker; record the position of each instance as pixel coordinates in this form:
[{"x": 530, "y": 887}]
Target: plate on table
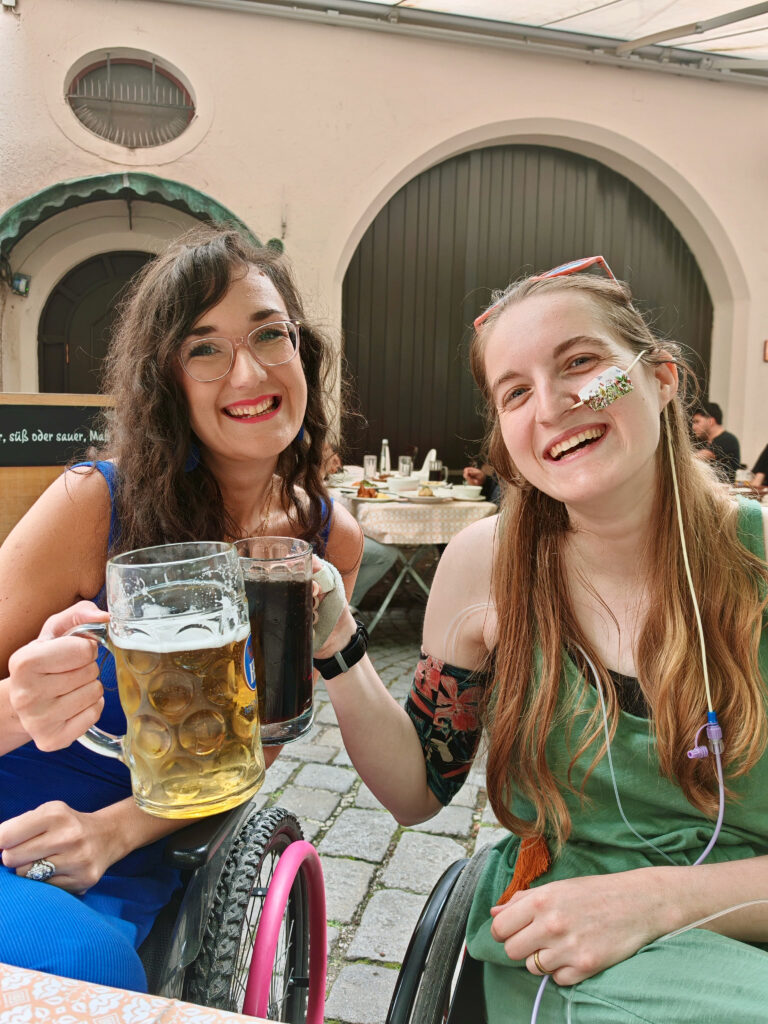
[
  {"x": 423, "y": 499},
  {"x": 456, "y": 493},
  {"x": 380, "y": 485},
  {"x": 378, "y": 498}
]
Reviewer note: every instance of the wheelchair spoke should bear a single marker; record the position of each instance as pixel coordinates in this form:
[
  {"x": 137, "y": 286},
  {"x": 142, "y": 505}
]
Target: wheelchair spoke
[
  {"x": 282, "y": 980},
  {"x": 282, "y": 973},
  {"x": 250, "y": 925},
  {"x": 219, "y": 976}
]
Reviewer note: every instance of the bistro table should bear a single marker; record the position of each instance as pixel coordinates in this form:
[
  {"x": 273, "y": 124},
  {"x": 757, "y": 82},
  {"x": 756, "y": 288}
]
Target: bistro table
[
  {"x": 412, "y": 525},
  {"x": 31, "y": 997}
]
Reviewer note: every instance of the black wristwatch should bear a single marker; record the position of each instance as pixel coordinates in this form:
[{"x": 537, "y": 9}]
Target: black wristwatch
[{"x": 343, "y": 660}]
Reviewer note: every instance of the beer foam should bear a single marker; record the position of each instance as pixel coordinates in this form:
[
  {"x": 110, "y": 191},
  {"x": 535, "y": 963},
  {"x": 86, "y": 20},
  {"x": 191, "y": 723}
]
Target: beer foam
[{"x": 172, "y": 634}]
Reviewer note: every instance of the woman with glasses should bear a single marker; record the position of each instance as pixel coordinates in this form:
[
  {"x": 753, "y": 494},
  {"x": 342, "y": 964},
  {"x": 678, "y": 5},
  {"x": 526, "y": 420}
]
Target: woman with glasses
[
  {"x": 609, "y": 630},
  {"x": 221, "y": 403}
]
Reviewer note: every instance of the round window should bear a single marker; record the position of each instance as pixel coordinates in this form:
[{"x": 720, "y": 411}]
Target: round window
[{"x": 131, "y": 102}]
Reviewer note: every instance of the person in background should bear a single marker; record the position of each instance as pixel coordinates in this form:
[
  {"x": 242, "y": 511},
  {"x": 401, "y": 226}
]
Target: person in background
[
  {"x": 377, "y": 559},
  {"x": 332, "y": 463},
  {"x": 760, "y": 469},
  {"x": 484, "y": 477},
  {"x": 718, "y": 444}
]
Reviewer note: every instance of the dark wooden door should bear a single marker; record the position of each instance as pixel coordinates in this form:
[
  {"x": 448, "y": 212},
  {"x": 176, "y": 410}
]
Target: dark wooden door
[
  {"x": 427, "y": 264},
  {"x": 77, "y": 320}
]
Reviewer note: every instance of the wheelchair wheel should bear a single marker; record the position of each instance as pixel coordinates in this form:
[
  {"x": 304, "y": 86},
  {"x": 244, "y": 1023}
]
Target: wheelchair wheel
[
  {"x": 219, "y": 975},
  {"x": 439, "y": 962}
]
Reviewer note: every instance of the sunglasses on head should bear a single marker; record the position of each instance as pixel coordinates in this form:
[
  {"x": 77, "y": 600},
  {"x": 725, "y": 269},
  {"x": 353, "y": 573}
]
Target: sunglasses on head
[{"x": 574, "y": 267}]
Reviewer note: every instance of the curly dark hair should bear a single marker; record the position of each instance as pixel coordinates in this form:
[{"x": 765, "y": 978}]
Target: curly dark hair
[{"x": 149, "y": 433}]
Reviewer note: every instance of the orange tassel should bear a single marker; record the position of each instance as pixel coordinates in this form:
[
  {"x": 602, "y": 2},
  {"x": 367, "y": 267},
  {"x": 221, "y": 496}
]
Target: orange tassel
[{"x": 533, "y": 859}]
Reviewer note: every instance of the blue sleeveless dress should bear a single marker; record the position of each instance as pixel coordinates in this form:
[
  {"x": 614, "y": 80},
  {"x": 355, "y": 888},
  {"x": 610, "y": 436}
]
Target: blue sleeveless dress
[{"x": 93, "y": 937}]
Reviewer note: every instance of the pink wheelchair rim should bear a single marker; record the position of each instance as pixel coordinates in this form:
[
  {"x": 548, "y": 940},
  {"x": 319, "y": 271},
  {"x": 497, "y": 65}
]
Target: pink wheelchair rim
[{"x": 299, "y": 856}]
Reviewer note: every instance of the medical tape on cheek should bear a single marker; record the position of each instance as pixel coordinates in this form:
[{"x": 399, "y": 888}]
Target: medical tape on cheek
[{"x": 606, "y": 387}]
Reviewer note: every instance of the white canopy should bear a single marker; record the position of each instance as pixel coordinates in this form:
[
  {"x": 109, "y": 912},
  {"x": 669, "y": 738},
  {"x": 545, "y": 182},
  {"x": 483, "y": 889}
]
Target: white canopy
[{"x": 709, "y": 26}]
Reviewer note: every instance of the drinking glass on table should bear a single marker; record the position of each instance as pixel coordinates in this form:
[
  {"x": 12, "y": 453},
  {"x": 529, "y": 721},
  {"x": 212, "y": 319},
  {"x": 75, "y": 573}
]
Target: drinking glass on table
[
  {"x": 370, "y": 466},
  {"x": 438, "y": 472},
  {"x": 178, "y": 631},
  {"x": 277, "y": 572},
  {"x": 405, "y": 465}
]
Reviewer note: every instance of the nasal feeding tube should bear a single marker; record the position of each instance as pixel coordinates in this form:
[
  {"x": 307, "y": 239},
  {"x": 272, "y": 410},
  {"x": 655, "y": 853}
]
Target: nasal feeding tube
[
  {"x": 600, "y": 392},
  {"x": 606, "y": 387}
]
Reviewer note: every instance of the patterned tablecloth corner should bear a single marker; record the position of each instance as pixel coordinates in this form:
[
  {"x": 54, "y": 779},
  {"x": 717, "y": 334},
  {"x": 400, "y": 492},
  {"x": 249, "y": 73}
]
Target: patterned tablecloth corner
[
  {"x": 408, "y": 523},
  {"x": 31, "y": 997}
]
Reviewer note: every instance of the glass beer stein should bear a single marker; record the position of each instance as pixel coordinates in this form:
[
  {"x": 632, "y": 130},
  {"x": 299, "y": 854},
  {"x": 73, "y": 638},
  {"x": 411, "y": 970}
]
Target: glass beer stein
[
  {"x": 178, "y": 631},
  {"x": 278, "y": 585}
]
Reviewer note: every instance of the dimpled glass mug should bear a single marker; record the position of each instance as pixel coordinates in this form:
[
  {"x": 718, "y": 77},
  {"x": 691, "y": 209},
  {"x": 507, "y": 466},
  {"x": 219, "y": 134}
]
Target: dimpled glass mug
[
  {"x": 179, "y": 633},
  {"x": 278, "y": 585}
]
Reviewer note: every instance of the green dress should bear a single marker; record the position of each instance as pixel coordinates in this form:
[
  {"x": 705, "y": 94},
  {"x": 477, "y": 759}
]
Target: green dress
[{"x": 699, "y": 976}]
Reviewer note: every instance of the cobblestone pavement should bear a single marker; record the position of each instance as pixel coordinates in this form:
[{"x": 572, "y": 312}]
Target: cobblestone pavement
[{"x": 377, "y": 874}]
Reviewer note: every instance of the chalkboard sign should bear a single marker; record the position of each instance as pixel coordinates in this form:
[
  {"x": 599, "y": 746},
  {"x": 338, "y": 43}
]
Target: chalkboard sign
[{"x": 47, "y": 435}]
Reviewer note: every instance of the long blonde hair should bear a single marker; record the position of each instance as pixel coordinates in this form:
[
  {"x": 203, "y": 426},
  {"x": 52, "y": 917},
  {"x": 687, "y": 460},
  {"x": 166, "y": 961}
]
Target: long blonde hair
[{"x": 536, "y": 617}]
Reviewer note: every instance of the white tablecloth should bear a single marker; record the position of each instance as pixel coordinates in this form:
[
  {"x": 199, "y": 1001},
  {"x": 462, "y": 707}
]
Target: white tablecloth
[{"x": 409, "y": 523}]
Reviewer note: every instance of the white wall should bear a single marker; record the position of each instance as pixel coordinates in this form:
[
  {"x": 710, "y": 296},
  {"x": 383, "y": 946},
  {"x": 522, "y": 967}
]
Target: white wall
[{"x": 310, "y": 129}]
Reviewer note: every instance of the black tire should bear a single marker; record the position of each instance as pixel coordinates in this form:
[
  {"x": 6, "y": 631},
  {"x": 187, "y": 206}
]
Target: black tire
[
  {"x": 219, "y": 975},
  {"x": 412, "y": 969},
  {"x": 434, "y": 993}
]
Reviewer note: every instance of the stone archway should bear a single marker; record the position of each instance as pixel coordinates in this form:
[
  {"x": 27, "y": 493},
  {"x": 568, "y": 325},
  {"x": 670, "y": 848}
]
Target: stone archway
[
  {"x": 429, "y": 259},
  {"x": 50, "y": 233}
]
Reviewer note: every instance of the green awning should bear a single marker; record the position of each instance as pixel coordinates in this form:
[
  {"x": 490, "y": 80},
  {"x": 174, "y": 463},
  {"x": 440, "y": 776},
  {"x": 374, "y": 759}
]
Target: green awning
[{"x": 27, "y": 214}]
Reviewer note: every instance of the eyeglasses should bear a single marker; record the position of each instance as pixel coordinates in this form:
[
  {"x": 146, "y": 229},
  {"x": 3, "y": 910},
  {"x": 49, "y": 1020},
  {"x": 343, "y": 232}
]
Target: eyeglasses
[
  {"x": 574, "y": 267},
  {"x": 272, "y": 344}
]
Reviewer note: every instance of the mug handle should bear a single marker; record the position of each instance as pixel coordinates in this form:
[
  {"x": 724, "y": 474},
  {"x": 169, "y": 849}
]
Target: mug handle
[{"x": 96, "y": 739}]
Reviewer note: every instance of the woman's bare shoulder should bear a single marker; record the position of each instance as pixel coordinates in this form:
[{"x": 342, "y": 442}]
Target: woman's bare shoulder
[
  {"x": 54, "y": 556},
  {"x": 456, "y": 624},
  {"x": 74, "y": 506},
  {"x": 470, "y": 553},
  {"x": 345, "y": 545}
]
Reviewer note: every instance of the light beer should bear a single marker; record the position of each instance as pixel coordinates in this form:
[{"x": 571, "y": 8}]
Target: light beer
[{"x": 192, "y": 739}]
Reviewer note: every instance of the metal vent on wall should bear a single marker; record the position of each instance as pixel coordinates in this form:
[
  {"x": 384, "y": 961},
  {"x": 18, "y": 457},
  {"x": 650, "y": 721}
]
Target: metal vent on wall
[{"x": 131, "y": 102}]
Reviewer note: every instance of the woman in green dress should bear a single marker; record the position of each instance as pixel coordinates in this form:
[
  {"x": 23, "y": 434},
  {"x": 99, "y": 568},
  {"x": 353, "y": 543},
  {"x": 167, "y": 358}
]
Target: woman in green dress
[{"x": 585, "y": 563}]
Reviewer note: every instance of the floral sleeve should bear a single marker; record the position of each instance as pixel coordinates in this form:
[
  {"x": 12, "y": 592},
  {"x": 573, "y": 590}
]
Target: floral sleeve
[{"x": 444, "y": 707}]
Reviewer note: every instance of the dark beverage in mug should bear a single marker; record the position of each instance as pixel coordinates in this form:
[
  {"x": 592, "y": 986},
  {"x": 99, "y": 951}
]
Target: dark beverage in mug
[
  {"x": 281, "y": 632},
  {"x": 437, "y": 471}
]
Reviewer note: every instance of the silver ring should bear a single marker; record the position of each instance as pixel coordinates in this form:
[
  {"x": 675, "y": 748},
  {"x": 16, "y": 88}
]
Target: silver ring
[{"x": 41, "y": 871}]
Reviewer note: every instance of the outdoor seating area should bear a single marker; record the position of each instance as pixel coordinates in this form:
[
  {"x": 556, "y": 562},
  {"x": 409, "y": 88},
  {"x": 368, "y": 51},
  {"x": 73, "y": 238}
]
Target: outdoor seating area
[
  {"x": 383, "y": 512},
  {"x": 409, "y": 515},
  {"x": 376, "y": 880}
]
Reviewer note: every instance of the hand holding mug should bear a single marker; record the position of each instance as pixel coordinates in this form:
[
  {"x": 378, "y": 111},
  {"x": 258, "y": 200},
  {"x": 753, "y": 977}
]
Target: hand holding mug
[
  {"x": 54, "y": 684},
  {"x": 178, "y": 631}
]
